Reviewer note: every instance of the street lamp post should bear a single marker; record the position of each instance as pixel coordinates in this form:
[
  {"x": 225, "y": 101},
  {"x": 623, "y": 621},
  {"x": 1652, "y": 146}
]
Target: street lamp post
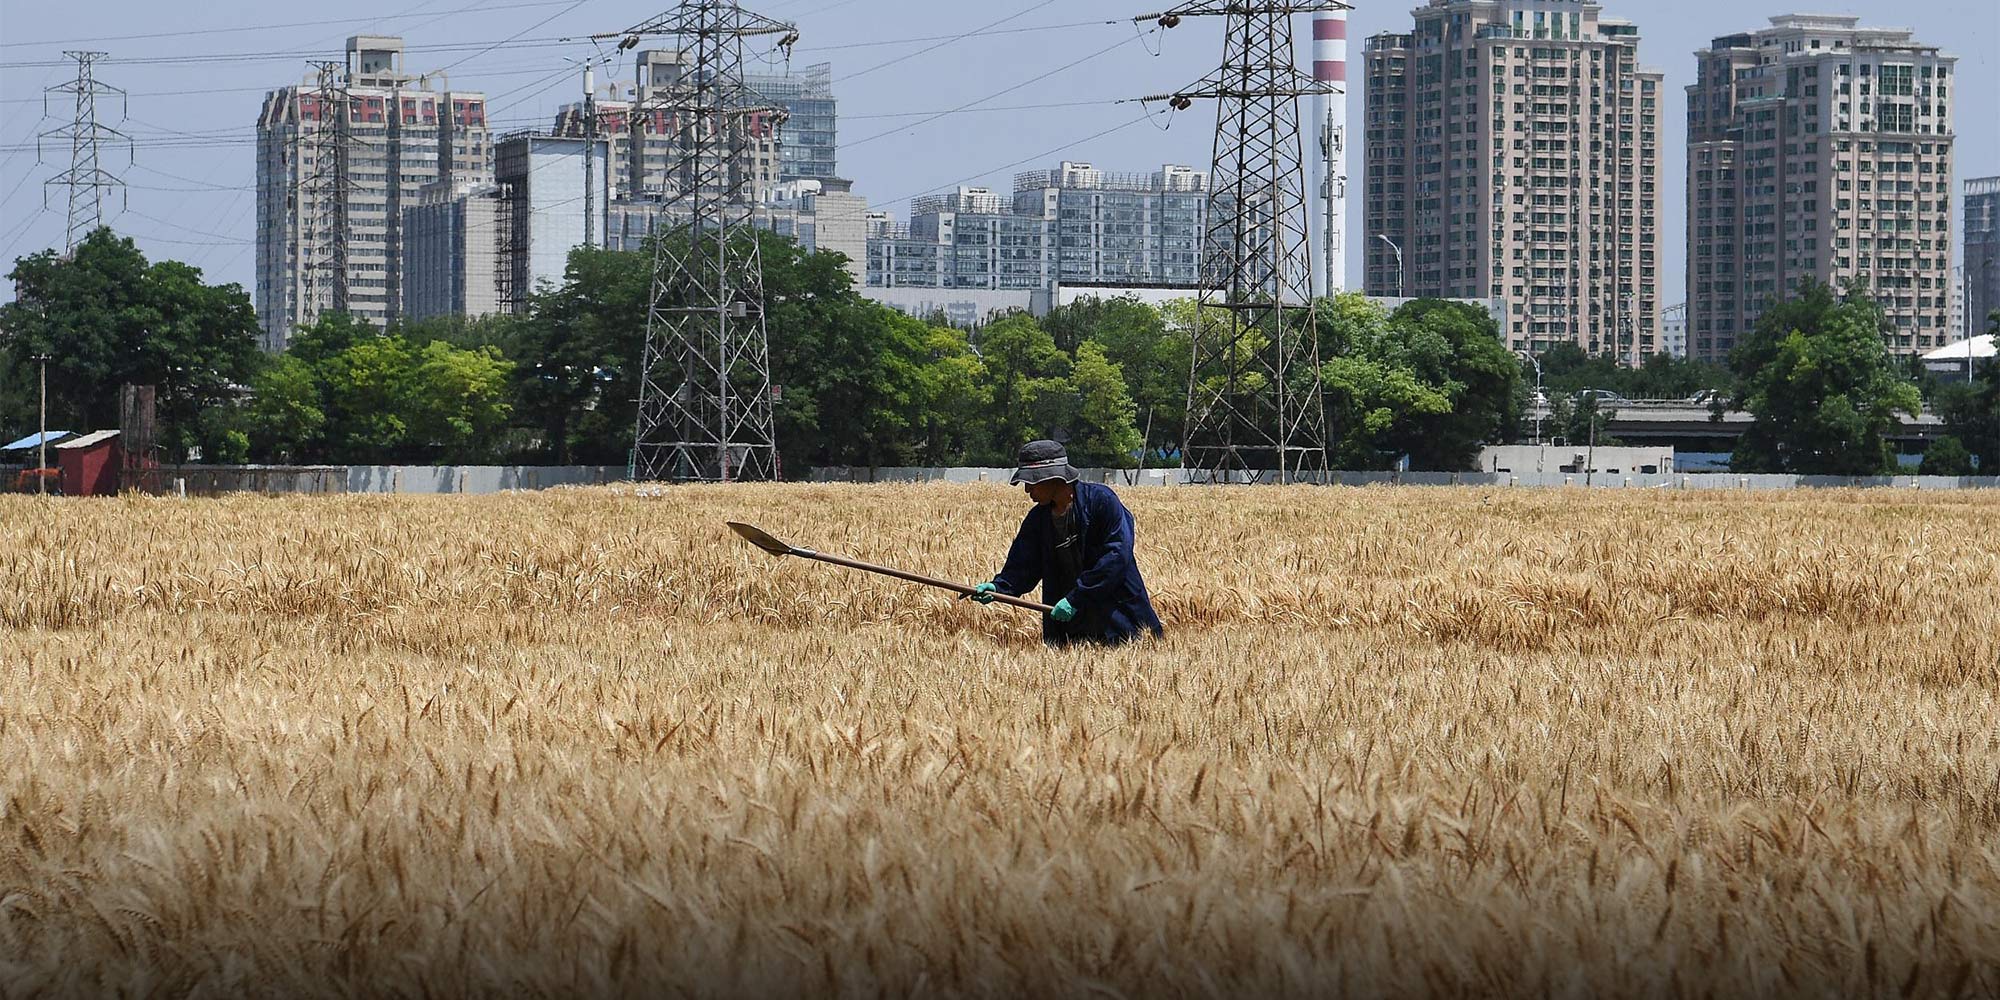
[
  {"x": 1399, "y": 262},
  {"x": 1530, "y": 355},
  {"x": 42, "y": 441}
]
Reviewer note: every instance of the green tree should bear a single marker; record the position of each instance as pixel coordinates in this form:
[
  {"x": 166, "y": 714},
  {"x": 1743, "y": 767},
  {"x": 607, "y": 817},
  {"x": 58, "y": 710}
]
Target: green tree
[
  {"x": 1819, "y": 381},
  {"x": 1971, "y": 414},
  {"x": 1153, "y": 354},
  {"x": 576, "y": 380},
  {"x": 1367, "y": 400},
  {"x": 368, "y": 390},
  {"x": 1431, "y": 381},
  {"x": 1033, "y": 396},
  {"x": 285, "y": 419},
  {"x": 1568, "y": 369},
  {"x": 108, "y": 318},
  {"x": 1102, "y": 433},
  {"x": 457, "y": 399},
  {"x": 958, "y": 396},
  {"x": 344, "y": 392},
  {"x": 1367, "y": 395},
  {"x": 1946, "y": 457},
  {"x": 1456, "y": 348},
  {"x": 1663, "y": 376},
  {"x": 1582, "y": 419}
]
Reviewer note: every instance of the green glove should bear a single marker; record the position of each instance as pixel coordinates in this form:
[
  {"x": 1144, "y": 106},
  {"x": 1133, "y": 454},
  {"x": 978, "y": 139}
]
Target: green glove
[
  {"x": 1062, "y": 612},
  {"x": 984, "y": 593}
]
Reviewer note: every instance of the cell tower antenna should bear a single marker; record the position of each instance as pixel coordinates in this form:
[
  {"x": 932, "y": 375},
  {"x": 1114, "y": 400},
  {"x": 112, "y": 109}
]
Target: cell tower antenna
[
  {"x": 1254, "y": 400},
  {"x": 86, "y": 177},
  {"x": 705, "y": 394}
]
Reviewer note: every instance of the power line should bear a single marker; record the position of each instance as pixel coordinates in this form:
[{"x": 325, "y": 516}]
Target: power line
[
  {"x": 515, "y": 42},
  {"x": 510, "y": 38},
  {"x": 998, "y": 93},
  {"x": 948, "y": 40},
  {"x": 266, "y": 55},
  {"x": 486, "y": 73},
  {"x": 186, "y": 229},
  {"x": 273, "y": 27},
  {"x": 978, "y": 111}
]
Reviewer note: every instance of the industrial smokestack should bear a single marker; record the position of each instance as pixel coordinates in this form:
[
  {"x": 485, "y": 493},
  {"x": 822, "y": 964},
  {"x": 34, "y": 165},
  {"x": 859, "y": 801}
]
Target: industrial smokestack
[{"x": 1330, "y": 70}]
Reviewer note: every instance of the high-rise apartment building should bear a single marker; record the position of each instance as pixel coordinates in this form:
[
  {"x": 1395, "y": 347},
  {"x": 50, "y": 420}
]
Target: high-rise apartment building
[
  {"x": 818, "y": 215},
  {"x": 1981, "y": 258},
  {"x": 1819, "y": 149},
  {"x": 1119, "y": 228},
  {"x": 970, "y": 238},
  {"x": 1512, "y": 152},
  {"x": 1074, "y": 225},
  {"x": 394, "y": 136},
  {"x": 1674, "y": 330}
]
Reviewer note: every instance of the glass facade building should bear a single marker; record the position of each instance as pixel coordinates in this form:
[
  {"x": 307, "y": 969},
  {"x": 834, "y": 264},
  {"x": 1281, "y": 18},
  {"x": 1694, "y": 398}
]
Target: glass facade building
[{"x": 807, "y": 139}]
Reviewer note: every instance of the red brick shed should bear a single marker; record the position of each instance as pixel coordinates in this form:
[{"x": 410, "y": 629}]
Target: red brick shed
[{"x": 90, "y": 464}]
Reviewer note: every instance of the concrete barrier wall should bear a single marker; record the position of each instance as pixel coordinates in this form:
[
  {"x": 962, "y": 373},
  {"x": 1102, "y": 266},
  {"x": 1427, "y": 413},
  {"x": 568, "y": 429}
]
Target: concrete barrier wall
[
  {"x": 213, "y": 480},
  {"x": 1688, "y": 481},
  {"x": 474, "y": 478}
]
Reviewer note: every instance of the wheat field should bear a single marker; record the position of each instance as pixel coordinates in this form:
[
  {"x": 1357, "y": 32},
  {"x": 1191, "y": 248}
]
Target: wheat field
[{"x": 1397, "y": 742}]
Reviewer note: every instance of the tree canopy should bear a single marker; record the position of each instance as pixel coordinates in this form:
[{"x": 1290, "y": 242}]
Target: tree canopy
[
  {"x": 107, "y": 317},
  {"x": 1818, "y": 379},
  {"x": 856, "y": 383}
]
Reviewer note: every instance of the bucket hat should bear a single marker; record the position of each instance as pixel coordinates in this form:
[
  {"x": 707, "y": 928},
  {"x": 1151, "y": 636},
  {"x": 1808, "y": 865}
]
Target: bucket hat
[{"x": 1041, "y": 461}]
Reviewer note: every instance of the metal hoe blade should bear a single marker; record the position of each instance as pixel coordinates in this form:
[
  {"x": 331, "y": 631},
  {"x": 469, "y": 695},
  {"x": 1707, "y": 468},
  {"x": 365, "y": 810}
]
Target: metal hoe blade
[{"x": 760, "y": 538}]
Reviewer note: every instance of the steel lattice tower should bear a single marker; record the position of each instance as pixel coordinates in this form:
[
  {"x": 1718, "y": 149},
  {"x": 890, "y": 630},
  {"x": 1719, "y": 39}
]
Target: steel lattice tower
[
  {"x": 705, "y": 376},
  {"x": 1254, "y": 400},
  {"x": 323, "y": 192},
  {"x": 86, "y": 177}
]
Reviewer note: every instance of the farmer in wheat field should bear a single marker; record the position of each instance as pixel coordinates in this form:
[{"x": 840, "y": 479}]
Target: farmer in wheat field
[{"x": 1077, "y": 543}]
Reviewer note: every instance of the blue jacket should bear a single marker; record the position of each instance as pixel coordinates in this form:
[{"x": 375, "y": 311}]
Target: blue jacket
[{"x": 1110, "y": 599}]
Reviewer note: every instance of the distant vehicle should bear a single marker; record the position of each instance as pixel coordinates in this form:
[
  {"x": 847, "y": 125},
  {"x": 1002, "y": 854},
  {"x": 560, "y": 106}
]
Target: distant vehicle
[
  {"x": 1601, "y": 396},
  {"x": 1705, "y": 397}
]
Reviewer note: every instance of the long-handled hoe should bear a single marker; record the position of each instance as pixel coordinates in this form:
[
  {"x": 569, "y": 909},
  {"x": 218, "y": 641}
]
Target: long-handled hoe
[{"x": 763, "y": 540}]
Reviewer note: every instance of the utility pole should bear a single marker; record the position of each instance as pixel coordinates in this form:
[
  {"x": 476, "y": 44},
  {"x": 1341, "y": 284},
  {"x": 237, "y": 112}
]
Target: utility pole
[
  {"x": 1540, "y": 401},
  {"x": 42, "y": 442},
  {"x": 589, "y": 156},
  {"x": 1254, "y": 400},
  {"x": 1632, "y": 327},
  {"x": 1399, "y": 262},
  {"x": 86, "y": 177},
  {"x": 705, "y": 396},
  {"x": 590, "y": 203}
]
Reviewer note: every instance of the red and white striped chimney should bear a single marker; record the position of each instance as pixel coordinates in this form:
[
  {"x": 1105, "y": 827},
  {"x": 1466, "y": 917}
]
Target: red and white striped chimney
[{"x": 1330, "y": 67}]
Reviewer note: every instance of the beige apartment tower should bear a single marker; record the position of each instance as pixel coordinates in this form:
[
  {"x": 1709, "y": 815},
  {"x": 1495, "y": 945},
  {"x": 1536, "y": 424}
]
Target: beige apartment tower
[
  {"x": 398, "y": 133},
  {"x": 1819, "y": 149},
  {"x": 1512, "y": 151}
]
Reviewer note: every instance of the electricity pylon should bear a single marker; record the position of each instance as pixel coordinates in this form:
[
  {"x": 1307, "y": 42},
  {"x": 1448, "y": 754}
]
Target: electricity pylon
[
  {"x": 705, "y": 394},
  {"x": 1254, "y": 400},
  {"x": 86, "y": 177}
]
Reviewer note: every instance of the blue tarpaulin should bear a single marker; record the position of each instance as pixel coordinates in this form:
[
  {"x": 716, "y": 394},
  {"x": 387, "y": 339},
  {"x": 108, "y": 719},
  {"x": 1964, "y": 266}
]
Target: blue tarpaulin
[{"x": 34, "y": 439}]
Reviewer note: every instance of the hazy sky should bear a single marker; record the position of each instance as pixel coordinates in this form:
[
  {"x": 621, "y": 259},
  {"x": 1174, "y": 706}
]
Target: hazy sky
[{"x": 193, "y": 119}]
